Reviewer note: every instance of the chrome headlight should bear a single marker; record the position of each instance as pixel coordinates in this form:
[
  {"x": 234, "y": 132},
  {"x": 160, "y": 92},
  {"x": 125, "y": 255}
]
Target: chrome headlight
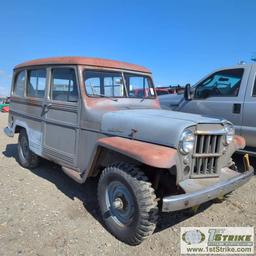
[
  {"x": 187, "y": 142},
  {"x": 230, "y": 132}
]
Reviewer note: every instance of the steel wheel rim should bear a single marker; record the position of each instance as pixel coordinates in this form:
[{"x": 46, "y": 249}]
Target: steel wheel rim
[{"x": 120, "y": 203}]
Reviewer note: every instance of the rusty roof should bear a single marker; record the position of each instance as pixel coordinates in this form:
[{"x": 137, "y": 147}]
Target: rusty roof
[{"x": 96, "y": 62}]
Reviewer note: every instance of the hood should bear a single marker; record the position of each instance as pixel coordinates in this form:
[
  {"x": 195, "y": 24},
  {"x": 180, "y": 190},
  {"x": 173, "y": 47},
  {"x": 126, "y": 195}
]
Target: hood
[{"x": 162, "y": 127}]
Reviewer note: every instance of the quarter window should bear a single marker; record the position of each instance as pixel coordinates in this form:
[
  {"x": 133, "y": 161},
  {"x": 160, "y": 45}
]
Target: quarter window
[
  {"x": 19, "y": 84},
  {"x": 36, "y": 83},
  {"x": 225, "y": 83},
  {"x": 63, "y": 85}
]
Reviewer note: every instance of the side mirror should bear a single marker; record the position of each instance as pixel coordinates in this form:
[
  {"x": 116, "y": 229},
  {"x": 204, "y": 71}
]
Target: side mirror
[{"x": 187, "y": 92}]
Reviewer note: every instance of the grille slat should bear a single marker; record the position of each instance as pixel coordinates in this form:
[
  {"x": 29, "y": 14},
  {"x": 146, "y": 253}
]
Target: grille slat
[{"x": 206, "y": 155}]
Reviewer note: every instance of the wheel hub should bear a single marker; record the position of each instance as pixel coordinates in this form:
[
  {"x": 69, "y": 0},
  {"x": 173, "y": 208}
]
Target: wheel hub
[{"x": 120, "y": 203}]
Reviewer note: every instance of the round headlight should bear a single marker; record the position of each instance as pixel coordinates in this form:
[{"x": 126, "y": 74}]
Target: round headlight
[
  {"x": 230, "y": 132},
  {"x": 187, "y": 141}
]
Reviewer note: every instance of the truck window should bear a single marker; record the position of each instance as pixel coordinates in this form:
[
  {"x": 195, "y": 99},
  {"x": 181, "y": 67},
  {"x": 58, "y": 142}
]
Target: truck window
[
  {"x": 36, "y": 83},
  {"x": 19, "y": 84},
  {"x": 254, "y": 88},
  {"x": 104, "y": 83},
  {"x": 139, "y": 86},
  {"x": 63, "y": 85},
  {"x": 224, "y": 83}
]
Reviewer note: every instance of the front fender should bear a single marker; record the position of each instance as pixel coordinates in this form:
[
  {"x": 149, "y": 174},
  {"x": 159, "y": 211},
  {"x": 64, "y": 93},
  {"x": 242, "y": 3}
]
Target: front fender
[{"x": 146, "y": 153}]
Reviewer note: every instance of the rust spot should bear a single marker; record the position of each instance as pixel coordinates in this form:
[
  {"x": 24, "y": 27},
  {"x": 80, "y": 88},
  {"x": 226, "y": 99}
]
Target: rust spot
[
  {"x": 239, "y": 142},
  {"x": 147, "y": 153},
  {"x": 97, "y": 62}
]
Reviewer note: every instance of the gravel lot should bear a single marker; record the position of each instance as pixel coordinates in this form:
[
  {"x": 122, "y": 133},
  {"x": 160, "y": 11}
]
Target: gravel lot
[{"x": 43, "y": 212}]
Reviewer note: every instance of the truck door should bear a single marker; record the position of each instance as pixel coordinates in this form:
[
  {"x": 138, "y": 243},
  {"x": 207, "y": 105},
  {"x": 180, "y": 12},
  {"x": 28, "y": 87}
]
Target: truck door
[
  {"x": 61, "y": 117},
  {"x": 221, "y": 95},
  {"x": 248, "y": 129}
]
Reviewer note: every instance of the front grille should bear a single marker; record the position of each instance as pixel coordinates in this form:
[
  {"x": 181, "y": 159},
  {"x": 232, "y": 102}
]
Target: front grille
[{"x": 206, "y": 154}]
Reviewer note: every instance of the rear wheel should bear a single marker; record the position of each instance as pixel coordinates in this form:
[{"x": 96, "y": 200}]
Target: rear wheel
[
  {"x": 26, "y": 157},
  {"x": 127, "y": 202}
]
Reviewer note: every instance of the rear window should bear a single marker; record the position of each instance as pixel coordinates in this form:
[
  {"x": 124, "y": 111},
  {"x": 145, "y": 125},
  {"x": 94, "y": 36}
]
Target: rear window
[
  {"x": 19, "y": 86},
  {"x": 36, "y": 83}
]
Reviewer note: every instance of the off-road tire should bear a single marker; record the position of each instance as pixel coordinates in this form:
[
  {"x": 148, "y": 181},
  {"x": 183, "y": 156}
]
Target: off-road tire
[
  {"x": 142, "y": 195},
  {"x": 26, "y": 159}
]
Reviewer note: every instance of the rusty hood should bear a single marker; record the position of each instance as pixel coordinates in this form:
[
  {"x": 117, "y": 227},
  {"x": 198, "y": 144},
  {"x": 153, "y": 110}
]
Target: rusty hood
[{"x": 157, "y": 126}]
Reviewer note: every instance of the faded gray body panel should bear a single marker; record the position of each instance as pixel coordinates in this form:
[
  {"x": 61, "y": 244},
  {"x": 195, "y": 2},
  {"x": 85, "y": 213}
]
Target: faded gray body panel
[
  {"x": 248, "y": 129},
  {"x": 27, "y": 114},
  {"x": 157, "y": 126}
]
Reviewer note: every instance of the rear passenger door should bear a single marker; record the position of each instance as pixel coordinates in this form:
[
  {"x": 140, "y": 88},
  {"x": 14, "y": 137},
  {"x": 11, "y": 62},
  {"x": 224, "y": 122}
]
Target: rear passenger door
[
  {"x": 61, "y": 116},
  {"x": 249, "y": 116}
]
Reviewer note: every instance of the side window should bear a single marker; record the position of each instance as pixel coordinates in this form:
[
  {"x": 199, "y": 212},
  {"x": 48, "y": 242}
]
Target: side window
[
  {"x": 104, "y": 83},
  {"x": 63, "y": 85},
  {"x": 36, "y": 83},
  {"x": 139, "y": 86},
  {"x": 225, "y": 83},
  {"x": 254, "y": 88},
  {"x": 19, "y": 85}
]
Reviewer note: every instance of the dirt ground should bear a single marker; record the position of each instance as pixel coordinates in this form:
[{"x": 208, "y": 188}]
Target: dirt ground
[{"x": 43, "y": 212}]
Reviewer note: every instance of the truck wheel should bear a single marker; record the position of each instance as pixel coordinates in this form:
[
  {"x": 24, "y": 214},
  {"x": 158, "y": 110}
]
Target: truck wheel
[
  {"x": 127, "y": 202},
  {"x": 26, "y": 157}
]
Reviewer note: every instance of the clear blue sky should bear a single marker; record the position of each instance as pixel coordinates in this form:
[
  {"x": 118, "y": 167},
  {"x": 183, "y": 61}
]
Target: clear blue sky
[{"x": 179, "y": 40}]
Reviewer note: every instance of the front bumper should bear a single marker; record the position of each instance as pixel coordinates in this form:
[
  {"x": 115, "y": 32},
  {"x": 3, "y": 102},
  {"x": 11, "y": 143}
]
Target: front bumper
[{"x": 183, "y": 201}]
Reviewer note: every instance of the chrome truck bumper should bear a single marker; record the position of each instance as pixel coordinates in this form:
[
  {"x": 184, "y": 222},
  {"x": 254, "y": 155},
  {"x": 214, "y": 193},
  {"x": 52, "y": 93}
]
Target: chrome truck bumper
[{"x": 183, "y": 201}]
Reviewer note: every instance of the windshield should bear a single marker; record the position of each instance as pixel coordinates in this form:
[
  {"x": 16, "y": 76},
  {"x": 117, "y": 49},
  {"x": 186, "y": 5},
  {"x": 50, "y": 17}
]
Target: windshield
[{"x": 117, "y": 84}]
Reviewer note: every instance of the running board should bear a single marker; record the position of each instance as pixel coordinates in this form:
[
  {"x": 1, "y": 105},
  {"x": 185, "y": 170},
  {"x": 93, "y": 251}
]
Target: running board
[{"x": 73, "y": 174}]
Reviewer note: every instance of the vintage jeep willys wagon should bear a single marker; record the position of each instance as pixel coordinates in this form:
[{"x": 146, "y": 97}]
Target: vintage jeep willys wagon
[{"x": 86, "y": 115}]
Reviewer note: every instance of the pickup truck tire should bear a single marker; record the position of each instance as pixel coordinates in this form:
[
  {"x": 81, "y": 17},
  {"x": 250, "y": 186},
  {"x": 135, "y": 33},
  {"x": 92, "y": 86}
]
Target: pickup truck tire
[
  {"x": 26, "y": 157},
  {"x": 127, "y": 202}
]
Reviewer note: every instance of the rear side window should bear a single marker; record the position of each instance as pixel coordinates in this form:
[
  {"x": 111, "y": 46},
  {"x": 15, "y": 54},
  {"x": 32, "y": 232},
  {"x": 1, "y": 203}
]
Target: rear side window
[
  {"x": 36, "y": 83},
  {"x": 19, "y": 85},
  {"x": 63, "y": 85}
]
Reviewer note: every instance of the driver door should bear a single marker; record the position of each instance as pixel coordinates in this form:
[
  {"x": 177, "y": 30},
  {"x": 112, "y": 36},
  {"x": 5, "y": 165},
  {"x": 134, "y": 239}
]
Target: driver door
[{"x": 220, "y": 95}]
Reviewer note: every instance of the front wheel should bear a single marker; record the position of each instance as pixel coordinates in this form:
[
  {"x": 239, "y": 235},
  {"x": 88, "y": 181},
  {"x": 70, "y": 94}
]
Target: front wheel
[{"x": 127, "y": 202}]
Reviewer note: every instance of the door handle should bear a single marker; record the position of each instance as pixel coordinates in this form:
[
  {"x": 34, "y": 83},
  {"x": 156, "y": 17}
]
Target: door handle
[
  {"x": 236, "y": 108},
  {"x": 45, "y": 108}
]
